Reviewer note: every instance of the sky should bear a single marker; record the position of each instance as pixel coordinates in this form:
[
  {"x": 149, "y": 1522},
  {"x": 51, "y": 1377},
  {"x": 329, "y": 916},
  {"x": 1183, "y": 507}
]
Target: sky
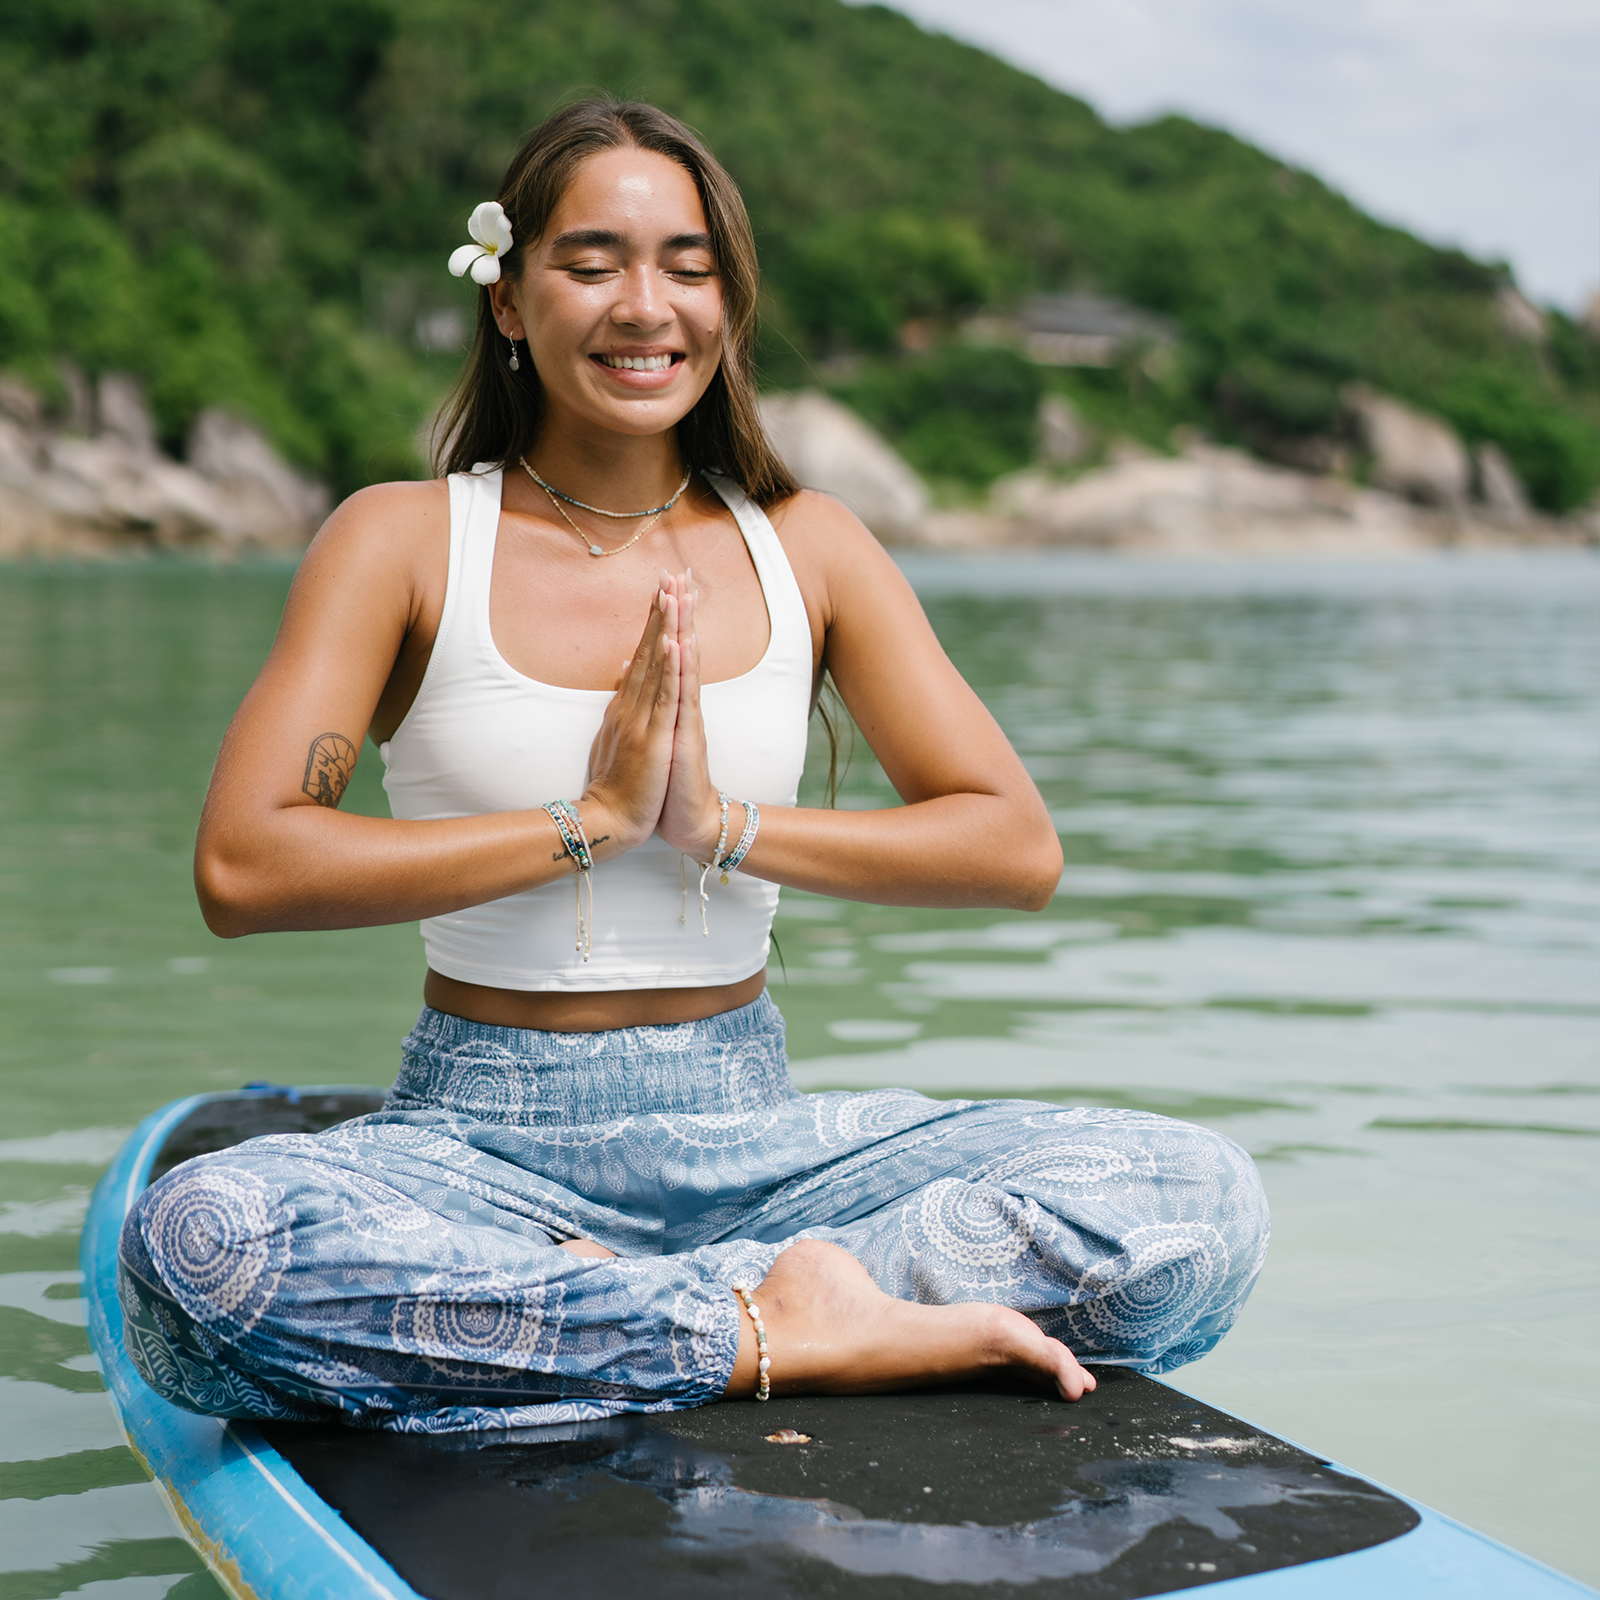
[{"x": 1469, "y": 122}]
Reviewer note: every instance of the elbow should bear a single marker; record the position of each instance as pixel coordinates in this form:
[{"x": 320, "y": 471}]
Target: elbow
[
  {"x": 1038, "y": 873},
  {"x": 226, "y": 903}
]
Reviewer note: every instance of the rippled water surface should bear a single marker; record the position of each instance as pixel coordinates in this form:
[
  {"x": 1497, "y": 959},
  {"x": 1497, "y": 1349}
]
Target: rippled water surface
[{"x": 1333, "y": 876}]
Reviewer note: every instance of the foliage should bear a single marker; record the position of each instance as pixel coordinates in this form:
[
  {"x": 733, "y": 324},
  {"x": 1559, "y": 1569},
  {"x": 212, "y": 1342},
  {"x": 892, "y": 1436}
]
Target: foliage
[
  {"x": 955, "y": 412},
  {"x": 249, "y": 202}
]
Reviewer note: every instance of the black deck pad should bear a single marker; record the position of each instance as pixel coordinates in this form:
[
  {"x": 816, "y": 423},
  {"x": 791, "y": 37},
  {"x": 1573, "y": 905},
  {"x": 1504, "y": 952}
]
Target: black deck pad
[
  {"x": 221, "y": 1124},
  {"x": 941, "y": 1495}
]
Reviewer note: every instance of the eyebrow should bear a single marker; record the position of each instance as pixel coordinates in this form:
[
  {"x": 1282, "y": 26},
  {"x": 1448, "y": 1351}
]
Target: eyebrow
[{"x": 606, "y": 239}]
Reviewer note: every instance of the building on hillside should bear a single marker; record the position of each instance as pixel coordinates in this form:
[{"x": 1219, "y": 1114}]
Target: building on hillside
[{"x": 1086, "y": 330}]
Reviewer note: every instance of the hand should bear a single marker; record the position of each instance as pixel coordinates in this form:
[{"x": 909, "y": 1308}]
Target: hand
[
  {"x": 690, "y": 817},
  {"x": 631, "y": 757}
]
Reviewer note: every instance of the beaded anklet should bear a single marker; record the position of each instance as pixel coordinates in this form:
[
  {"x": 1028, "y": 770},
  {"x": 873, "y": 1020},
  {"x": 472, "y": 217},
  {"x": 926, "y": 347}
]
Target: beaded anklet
[
  {"x": 764, "y": 1363},
  {"x": 570, "y": 826}
]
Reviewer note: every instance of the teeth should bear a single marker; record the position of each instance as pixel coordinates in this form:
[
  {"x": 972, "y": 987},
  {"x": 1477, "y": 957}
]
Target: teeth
[{"x": 638, "y": 363}]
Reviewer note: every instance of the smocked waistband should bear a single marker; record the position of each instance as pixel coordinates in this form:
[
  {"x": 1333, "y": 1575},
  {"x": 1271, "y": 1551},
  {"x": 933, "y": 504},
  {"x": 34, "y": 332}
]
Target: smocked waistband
[{"x": 726, "y": 1064}]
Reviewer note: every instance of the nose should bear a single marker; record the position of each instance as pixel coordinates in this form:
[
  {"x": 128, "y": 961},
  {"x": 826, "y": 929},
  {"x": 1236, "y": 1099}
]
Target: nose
[{"x": 641, "y": 303}]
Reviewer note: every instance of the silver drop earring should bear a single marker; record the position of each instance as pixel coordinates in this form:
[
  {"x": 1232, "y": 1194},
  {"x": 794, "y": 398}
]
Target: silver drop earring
[{"x": 514, "y": 364}]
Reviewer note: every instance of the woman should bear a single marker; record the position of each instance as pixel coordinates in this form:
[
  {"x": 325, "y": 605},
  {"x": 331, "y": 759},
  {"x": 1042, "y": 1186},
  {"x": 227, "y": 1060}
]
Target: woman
[{"x": 593, "y": 1148}]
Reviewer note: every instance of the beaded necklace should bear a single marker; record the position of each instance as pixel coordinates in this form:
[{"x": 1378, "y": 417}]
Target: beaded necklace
[{"x": 655, "y": 513}]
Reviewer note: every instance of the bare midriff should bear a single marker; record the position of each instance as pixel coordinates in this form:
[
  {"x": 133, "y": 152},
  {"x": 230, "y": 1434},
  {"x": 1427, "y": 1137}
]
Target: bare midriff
[{"x": 587, "y": 1011}]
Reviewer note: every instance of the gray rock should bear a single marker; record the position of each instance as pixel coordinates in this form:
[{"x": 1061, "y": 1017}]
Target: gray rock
[
  {"x": 1499, "y": 487},
  {"x": 1209, "y": 501},
  {"x": 123, "y": 414},
  {"x": 272, "y": 497},
  {"x": 1064, "y": 438},
  {"x": 80, "y": 397},
  {"x": 61, "y": 494},
  {"x": 1413, "y": 454},
  {"x": 1519, "y": 317},
  {"x": 19, "y": 402},
  {"x": 828, "y": 447},
  {"x": 1316, "y": 452}
]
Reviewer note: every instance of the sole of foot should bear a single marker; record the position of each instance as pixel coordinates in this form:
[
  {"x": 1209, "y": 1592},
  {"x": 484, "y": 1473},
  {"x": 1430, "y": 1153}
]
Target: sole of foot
[{"x": 832, "y": 1330}]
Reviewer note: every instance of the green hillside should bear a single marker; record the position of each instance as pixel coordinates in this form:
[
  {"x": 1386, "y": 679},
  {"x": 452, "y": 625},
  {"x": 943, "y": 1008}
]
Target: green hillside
[{"x": 249, "y": 202}]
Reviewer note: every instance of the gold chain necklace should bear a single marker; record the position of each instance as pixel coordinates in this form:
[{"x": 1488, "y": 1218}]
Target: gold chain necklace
[{"x": 655, "y": 515}]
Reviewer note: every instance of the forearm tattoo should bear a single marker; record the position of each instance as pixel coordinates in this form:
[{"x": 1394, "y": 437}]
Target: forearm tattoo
[
  {"x": 564, "y": 854},
  {"x": 329, "y": 763}
]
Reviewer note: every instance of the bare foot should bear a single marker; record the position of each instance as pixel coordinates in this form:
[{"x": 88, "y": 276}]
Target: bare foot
[
  {"x": 587, "y": 1247},
  {"x": 832, "y": 1330}
]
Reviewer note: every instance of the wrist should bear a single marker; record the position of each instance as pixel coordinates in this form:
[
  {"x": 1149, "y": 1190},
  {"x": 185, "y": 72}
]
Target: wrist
[
  {"x": 607, "y": 833},
  {"x": 714, "y": 835}
]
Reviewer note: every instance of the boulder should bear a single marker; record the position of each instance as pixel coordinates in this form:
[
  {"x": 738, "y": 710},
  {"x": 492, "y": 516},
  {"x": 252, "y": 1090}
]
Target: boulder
[
  {"x": 1499, "y": 487},
  {"x": 122, "y": 413},
  {"x": 1413, "y": 454},
  {"x": 61, "y": 494},
  {"x": 1064, "y": 438},
  {"x": 828, "y": 447},
  {"x": 272, "y": 503},
  {"x": 1209, "y": 501},
  {"x": 79, "y": 397},
  {"x": 19, "y": 402},
  {"x": 1520, "y": 318}
]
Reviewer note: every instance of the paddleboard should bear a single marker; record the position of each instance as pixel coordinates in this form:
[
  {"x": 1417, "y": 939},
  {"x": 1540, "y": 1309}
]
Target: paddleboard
[{"x": 970, "y": 1493}]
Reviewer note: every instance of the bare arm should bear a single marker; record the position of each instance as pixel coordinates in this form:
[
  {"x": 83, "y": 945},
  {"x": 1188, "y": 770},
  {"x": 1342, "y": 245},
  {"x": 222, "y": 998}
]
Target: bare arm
[
  {"x": 274, "y": 851},
  {"x": 974, "y": 830}
]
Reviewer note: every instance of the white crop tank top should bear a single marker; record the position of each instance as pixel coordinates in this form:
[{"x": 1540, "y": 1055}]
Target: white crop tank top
[{"x": 481, "y": 737}]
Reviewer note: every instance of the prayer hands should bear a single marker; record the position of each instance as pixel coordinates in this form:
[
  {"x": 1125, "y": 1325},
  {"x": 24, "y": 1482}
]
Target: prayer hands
[
  {"x": 690, "y": 819},
  {"x": 631, "y": 758},
  {"x": 648, "y": 767}
]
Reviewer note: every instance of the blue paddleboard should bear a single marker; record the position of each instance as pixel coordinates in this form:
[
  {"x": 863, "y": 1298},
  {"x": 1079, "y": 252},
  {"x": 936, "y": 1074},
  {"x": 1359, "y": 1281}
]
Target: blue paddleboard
[{"x": 970, "y": 1493}]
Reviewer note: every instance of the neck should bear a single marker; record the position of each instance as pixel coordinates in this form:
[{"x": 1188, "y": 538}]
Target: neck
[{"x": 618, "y": 471}]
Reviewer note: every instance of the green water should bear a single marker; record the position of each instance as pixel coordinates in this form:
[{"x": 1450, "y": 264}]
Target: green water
[{"x": 1333, "y": 846}]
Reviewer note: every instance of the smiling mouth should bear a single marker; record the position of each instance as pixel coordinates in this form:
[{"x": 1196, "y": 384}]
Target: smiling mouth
[{"x": 638, "y": 363}]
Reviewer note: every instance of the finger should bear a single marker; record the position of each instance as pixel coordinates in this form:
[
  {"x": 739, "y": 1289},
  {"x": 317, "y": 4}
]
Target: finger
[
  {"x": 671, "y": 680},
  {"x": 666, "y": 644},
  {"x": 637, "y": 678},
  {"x": 686, "y": 605}
]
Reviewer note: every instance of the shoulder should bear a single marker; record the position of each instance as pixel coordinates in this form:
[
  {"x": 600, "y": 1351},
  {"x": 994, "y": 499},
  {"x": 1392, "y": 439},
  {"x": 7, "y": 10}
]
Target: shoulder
[
  {"x": 810, "y": 517},
  {"x": 396, "y": 530},
  {"x": 395, "y": 512},
  {"x": 836, "y": 559}
]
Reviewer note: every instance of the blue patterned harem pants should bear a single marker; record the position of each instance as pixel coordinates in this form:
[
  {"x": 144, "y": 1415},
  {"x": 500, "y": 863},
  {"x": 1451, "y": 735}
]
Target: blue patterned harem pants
[{"x": 403, "y": 1270}]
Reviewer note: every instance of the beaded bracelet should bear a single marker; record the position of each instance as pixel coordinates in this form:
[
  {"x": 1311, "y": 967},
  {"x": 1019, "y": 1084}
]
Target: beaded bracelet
[
  {"x": 570, "y": 826},
  {"x": 752, "y": 821},
  {"x": 764, "y": 1361},
  {"x": 716, "y": 859}
]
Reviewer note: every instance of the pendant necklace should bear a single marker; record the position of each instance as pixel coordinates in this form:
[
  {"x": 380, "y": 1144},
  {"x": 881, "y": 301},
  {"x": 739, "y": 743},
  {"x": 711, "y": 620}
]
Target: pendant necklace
[{"x": 654, "y": 513}]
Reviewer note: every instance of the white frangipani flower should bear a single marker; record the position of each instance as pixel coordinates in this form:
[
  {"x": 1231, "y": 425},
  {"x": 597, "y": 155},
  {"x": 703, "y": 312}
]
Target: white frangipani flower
[{"x": 489, "y": 226}]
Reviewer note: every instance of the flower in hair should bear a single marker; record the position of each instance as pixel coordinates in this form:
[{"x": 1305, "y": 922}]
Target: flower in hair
[{"x": 491, "y": 230}]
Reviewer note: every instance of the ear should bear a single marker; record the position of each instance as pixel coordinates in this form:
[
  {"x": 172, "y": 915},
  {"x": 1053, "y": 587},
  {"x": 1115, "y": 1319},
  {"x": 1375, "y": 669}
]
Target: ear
[{"x": 502, "y": 298}]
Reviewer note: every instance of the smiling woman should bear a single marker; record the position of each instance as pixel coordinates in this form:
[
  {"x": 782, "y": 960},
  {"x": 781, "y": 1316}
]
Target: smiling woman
[{"x": 594, "y": 1147}]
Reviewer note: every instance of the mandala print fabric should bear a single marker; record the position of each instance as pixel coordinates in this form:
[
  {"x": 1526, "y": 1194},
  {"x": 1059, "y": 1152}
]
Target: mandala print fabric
[{"x": 404, "y": 1268}]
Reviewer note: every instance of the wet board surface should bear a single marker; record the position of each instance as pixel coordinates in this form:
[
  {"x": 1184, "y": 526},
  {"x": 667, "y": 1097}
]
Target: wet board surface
[
  {"x": 1137, "y": 1490},
  {"x": 942, "y": 1495}
]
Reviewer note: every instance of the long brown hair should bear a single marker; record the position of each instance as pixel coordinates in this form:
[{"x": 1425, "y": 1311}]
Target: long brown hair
[{"x": 493, "y": 414}]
